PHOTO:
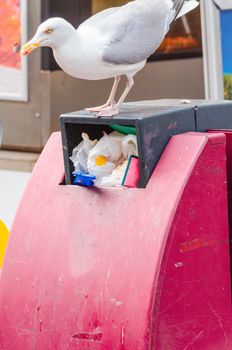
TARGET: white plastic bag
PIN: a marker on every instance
(129, 146)
(80, 154)
(106, 155)
(115, 179)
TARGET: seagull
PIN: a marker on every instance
(113, 43)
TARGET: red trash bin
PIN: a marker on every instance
(122, 269)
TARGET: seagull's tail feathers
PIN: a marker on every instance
(188, 6)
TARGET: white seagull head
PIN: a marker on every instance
(52, 33)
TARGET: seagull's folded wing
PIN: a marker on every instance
(178, 4)
(133, 32)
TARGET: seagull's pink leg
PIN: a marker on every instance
(111, 102)
(115, 109)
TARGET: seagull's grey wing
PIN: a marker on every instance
(177, 4)
(135, 31)
(100, 16)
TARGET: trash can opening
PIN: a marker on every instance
(120, 151)
(107, 157)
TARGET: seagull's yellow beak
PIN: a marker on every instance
(28, 48)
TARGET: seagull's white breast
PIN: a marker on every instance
(81, 57)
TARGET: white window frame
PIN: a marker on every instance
(212, 49)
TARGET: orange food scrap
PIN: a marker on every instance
(101, 160)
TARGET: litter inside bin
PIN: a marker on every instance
(104, 162)
(83, 179)
(81, 153)
(132, 173)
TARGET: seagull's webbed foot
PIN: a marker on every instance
(109, 112)
(107, 105)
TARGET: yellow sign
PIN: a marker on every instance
(4, 235)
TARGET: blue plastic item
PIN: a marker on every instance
(84, 180)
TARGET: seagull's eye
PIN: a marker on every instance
(49, 31)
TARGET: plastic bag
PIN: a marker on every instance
(115, 179)
(109, 158)
(80, 154)
(129, 146)
(106, 155)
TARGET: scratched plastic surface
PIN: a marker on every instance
(128, 269)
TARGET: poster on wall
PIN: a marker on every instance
(13, 67)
